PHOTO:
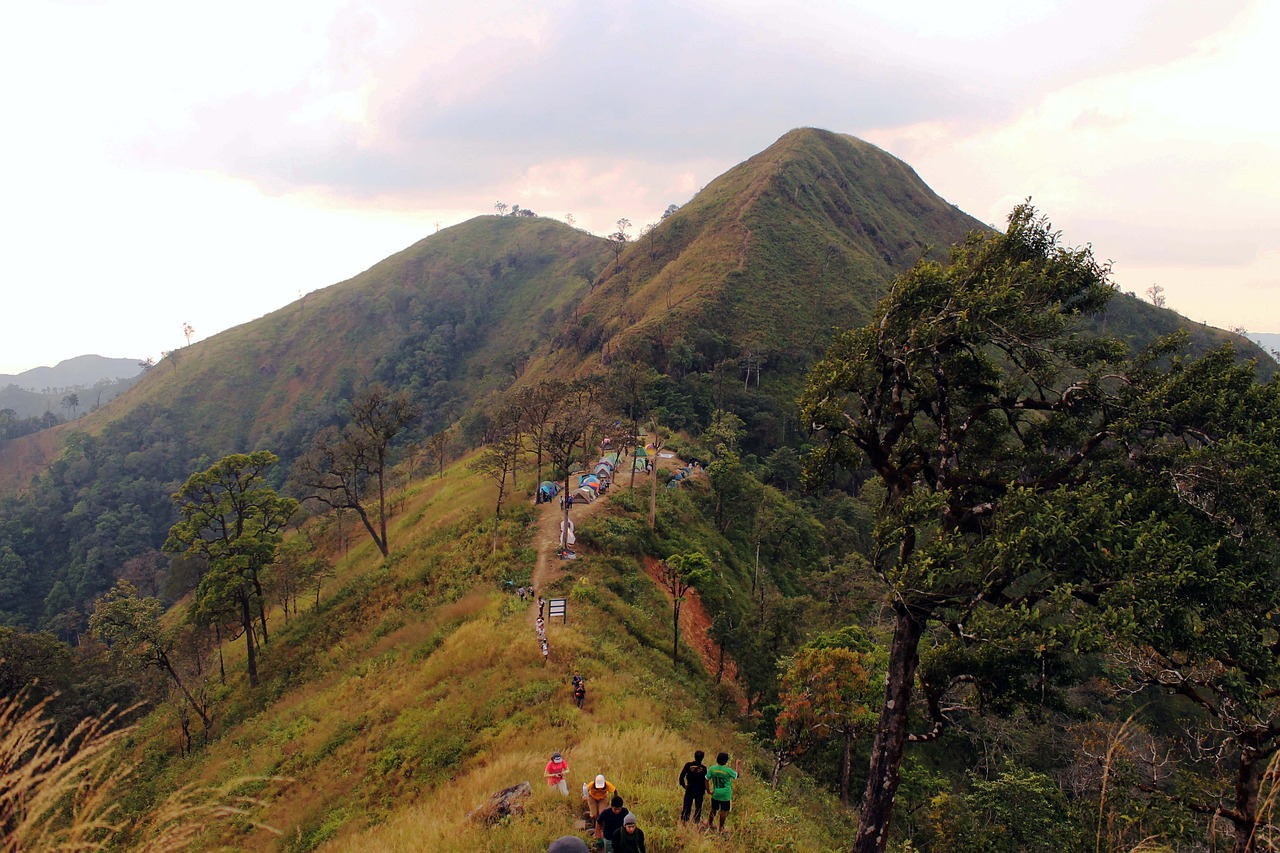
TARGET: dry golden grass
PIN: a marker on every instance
(643, 761)
(61, 793)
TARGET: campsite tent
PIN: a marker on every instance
(603, 469)
(548, 490)
(638, 464)
(587, 493)
(570, 539)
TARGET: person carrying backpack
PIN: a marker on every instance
(628, 839)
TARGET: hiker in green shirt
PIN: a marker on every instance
(720, 780)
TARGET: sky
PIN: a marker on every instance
(172, 164)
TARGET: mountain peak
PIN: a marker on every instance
(809, 231)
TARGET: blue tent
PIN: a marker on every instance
(548, 490)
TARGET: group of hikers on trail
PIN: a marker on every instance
(616, 829)
(540, 626)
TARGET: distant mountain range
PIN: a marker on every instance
(94, 380)
(73, 373)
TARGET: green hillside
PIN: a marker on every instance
(750, 278)
(450, 317)
(415, 689)
(446, 317)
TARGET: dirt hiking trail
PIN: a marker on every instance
(694, 618)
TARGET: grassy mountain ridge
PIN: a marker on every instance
(448, 317)
(775, 253)
(452, 308)
(415, 689)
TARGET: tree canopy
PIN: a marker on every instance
(232, 518)
(1022, 460)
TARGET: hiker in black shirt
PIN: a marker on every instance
(610, 821)
(693, 778)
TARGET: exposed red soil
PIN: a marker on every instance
(695, 627)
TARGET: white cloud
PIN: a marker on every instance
(1171, 170)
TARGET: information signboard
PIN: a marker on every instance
(558, 607)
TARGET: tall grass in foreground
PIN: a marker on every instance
(60, 793)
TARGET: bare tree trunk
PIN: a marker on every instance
(635, 445)
(675, 644)
(884, 773)
(845, 760)
(1248, 785)
(222, 667)
(184, 723)
(204, 718)
(379, 540)
(564, 522)
(382, 513)
(262, 607)
(653, 495)
(246, 620)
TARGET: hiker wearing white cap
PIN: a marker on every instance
(598, 794)
(557, 769)
(630, 838)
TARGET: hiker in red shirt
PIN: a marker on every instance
(557, 769)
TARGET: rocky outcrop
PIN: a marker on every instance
(508, 801)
